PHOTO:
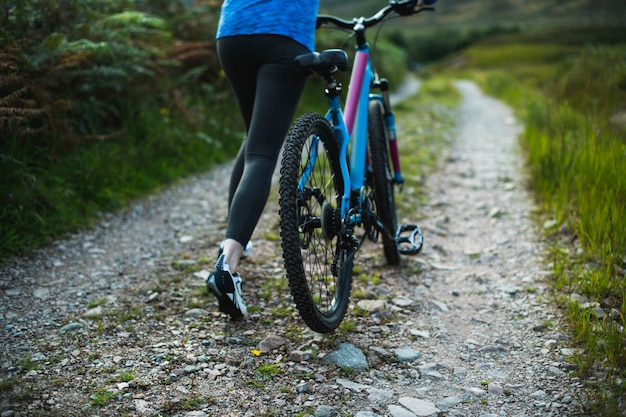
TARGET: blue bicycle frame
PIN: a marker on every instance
(353, 126)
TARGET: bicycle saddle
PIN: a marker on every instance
(325, 61)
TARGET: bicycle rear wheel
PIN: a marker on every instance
(382, 179)
(318, 266)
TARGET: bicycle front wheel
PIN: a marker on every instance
(318, 266)
(383, 180)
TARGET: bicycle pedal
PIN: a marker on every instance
(409, 239)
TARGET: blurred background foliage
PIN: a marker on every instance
(101, 102)
(73, 68)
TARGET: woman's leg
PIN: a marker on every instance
(268, 104)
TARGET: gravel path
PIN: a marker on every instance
(116, 321)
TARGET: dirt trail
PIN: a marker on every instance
(115, 321)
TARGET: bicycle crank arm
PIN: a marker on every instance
(409, 239)
(382, 229)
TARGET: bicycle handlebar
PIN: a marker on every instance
(403, 8)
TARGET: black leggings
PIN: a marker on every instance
(263, 74)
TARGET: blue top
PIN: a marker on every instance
(294, 19)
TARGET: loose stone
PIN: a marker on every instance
(407, 354)
(300, 356)
(71, 327)
(326, 411)
(421, 408)
(347, 356)
(397, 411)
(495, 388)
(367, 414)
(196, 312)
(270, 343)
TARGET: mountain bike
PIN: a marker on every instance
(338, 178)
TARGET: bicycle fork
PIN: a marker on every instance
(390, 122)
(409, 238)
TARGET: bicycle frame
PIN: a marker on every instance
(351, 127)
(344, 127)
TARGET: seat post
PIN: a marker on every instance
(333, 87)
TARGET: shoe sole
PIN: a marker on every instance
(225, 305)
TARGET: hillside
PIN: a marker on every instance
(547, 13)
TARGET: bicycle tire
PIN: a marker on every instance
(383, 182)
(318, 268)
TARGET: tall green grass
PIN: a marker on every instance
(572, 99)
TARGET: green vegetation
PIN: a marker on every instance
(570, 91)
(97, 302)
(263, 373)
(348, 326)
(127, 376)
(100, 103)
(102, 397)
(268, 370)
(6, 385)
(424, 46)
(29, 364)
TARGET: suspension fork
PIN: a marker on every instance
(390, 122)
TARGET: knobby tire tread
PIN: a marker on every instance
(290, 173)
(383, 180)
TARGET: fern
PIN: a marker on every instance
(89, 60)
(20, 112)
(134, 18)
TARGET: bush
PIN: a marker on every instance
(101, 102)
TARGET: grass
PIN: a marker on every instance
(102, 397)
(570, 93)
(97, 302)
(127, 376)
(28, 364)
(45, 195)
(267, 370)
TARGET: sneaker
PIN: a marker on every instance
(244, 255)
(227, 288)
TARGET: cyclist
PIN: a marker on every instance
(257, 42)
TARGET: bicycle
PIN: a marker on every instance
(331, 183)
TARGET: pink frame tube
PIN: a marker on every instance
(354, 90)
